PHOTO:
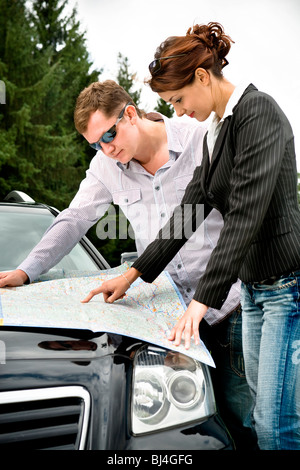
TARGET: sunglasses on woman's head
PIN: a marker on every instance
(109, 135)
(155, 65)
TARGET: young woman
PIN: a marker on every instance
(249, 174)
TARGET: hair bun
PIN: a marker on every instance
(212, 37)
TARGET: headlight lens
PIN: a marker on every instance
(151, 402)
(184, 390)
(169, 389)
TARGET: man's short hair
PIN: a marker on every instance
(108, 97)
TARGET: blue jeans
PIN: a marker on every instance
(233, 396)
(271, 344)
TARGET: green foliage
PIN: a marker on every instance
(44, 65)
(126, 79)
(164, 108)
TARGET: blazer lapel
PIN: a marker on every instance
(218, 145)
(205, 161)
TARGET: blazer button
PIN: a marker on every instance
(210, 195)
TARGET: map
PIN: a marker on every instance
(148, 312)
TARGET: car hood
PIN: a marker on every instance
(48, 343)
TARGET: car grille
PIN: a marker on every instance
(48, 418)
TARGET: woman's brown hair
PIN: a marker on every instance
(204, 46)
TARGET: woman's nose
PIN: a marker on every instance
(179, 111)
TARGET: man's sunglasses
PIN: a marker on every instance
(109, 135)
(155, 65)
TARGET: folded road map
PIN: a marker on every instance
(148, 312)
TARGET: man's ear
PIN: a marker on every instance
(202, 76)
(131, 113)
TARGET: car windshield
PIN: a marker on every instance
(21, 230)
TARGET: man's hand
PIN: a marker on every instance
(114, 289)
(13, 278)
(188, 325)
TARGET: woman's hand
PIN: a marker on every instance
(188, 325)
(115, 288)
(112, 290)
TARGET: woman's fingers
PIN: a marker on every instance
(112, 290)
(188, 325)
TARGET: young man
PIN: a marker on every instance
(143, 165)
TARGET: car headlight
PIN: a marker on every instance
(169, 389)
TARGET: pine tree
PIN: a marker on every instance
(16, 70)
(164, 108)
(44, 65)
(126, 79)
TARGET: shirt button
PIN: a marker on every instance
(157, 188)
(125, 200)
(179, 266)
(210, 195)
(188, 290)
(162, 214)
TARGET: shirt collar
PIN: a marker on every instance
(232, 102)
(234, 99)
(174, 144)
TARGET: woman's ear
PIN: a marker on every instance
(202, 76)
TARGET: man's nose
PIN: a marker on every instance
(107, 147)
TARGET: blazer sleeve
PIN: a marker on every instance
(186, 218)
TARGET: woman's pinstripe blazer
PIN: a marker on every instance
(252, 181)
